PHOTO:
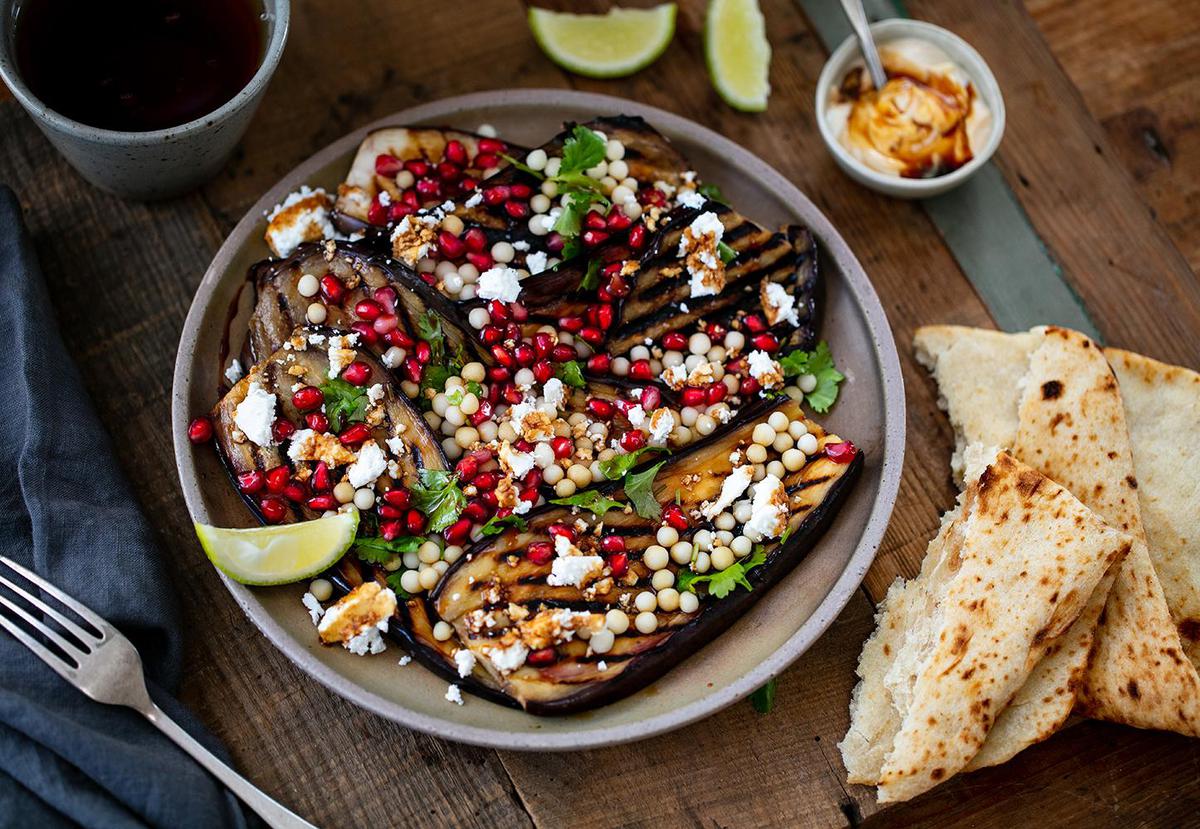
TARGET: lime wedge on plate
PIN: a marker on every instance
(738, 53)
(279, 555)
(610, 45)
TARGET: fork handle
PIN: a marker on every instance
(274, 813)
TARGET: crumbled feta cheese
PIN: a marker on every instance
(395, 446)
(308, 445)
(393, 357)
(518, 463)
(573, 571)
(369, 641)
(316, 339)
(636, 416)
(370, 464)
(765, 370)
(235, 371)
(302, 217)
(536, 262)
(683, 306)
(255, 415)
(662, 424)
(553, 392)
(454, 695)
(698, 245)
(474, 201)
(375, 393)
(508, 659)
(769, 510)
(675, 377)
(522, 507)
(520, 245)
(735, 483)
(531, 422)
(602, 666)
(464, 660)
(313, 606)
(692, 199)
(778, 304)
(500, 283)
(404, 660)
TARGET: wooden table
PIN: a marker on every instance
(1103, 152)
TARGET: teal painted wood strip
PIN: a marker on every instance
(982, 222)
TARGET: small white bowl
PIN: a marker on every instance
(962, 54)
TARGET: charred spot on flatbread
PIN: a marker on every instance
(1051, 390)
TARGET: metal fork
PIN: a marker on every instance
(105, 665)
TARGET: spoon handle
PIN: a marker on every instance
(857, 16)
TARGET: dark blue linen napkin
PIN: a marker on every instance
(67, 512)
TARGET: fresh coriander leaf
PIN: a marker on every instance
(722, 582)
(616, 466)
(582, 151)
(591, 279)
(819, 363)
(475, 389)
(429, 328)
(438, 496)
(571, 373)
(496, 525)
(393, 581)
(591, 500)
(711, 191)
(726, 253)
(377, 550)
(571, 248)
(344, 402)
(455, 396)
(763, 699)
(786, 534)
(639, 488)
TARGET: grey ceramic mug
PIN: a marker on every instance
(160, 163)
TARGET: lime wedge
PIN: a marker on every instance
(738, 53)
(610, 45)
(278, 555)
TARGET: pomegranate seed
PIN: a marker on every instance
(674, 341)
(599, 363)
(200, 430)
(563, 353)
(491, 334)
(316, 421)
(466, 468)
(517, 209)
(354, 434)
(467, 184)
(366, 332)
(498, 311)
(390, 530)
(674, 515)
(618, 221)
(555, 242)
(458, 532)
(640, 370)
(543, 344)
(651, 398)
(513, 395)
(357, 373)
(524, 354)
(498, 374)
(296, 492)
(424, 352)
(308, 398)
(592, 238)
(563, 530)
(652, 196)
(749, 386)
(398, 497)
(450, 245)
(692, 396)
(388, 511)
(482, 261)
(715, 331)
(414, 522)
(503, 357)
(571, 324)
(612, 544)
(277, 479)
(562, 446)
(273, 509)
(476, 511)
(490, 499)
(543, 370)
(521, 191)
(766, 342)
(448, 172)
(486, 161)
(542, 657)
(321, 479)
(417, 168)
(251, 482)
(322, 502)
(619, 564)
(387, 165)
(368, 309)
(499, 194)
(397, 337)
(715, 393)
(600, 408)
(456, 153)
(282, 429)
(486, 480)
(618, 287)
(637, 236)
(377, 214)
(429, 188)
(475, 240)
(594, 220)
(604, 316)
(633, 440)
(755, 323)
(386, 324)
(483, 413)
(841, 452)
(492, 145)
(413, 369)
(332, 288)
(592, 336)
(540, 552)
(398, 210)
(532, 480)
(409, 197)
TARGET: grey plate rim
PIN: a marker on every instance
(795, 646)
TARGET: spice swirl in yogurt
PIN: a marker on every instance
(925, 121)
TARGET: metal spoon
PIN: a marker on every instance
(857, 16)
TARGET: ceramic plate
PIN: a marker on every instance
(774, 633)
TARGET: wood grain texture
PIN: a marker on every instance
(122, 276)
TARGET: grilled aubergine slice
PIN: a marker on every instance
(501, 600)
(381, 156)
(659, 298)
(304, 361)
